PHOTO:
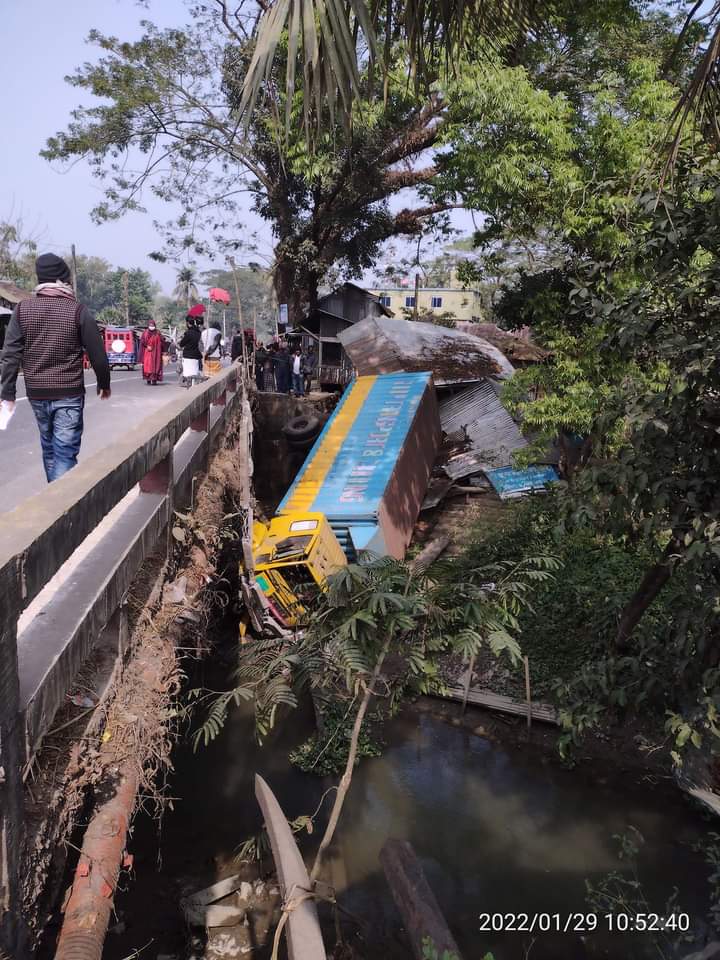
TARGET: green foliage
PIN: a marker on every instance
(385, 609)
(622, 893)
(431, 952)
(327, 753)
(255, 285)
(173, 97)
(102, 288)
(570, 623)
(710, 849)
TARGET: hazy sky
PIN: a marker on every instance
(44, 41)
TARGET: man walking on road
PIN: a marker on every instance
(46, 337)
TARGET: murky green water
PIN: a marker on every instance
(499, 830)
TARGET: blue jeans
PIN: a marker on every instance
(297, 384)
(61, 425)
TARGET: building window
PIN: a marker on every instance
(409, 301)
(385, 301)
(436, 302)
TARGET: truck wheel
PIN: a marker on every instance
(302, 428)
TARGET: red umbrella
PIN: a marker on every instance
(197, 311)
(218, 295)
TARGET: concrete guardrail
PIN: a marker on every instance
(39, 662)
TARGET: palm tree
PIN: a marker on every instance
(700, 101)
(335, 41)
(186, 286)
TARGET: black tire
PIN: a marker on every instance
(302, 428)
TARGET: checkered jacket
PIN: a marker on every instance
(47, 337)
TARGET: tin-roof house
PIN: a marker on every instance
(345, 306)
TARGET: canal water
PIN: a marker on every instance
(501, 831)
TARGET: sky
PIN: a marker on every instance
(43, 42)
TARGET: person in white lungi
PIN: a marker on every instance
(190, 346)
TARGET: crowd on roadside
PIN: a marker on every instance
(280, 368)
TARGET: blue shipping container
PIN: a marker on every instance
(369, 468)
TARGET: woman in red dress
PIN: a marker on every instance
(151, 344)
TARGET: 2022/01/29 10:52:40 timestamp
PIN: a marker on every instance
(583, 922)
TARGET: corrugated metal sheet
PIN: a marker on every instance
(493, 434)
(373, 458)
(511, 483)
(384, 345)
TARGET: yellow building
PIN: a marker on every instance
(462, 304)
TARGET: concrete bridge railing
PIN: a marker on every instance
(40, 658)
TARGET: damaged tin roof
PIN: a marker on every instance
(389, 345)
(491, 431)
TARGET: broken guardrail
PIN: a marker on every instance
(38, 664)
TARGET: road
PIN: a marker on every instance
(22, 474)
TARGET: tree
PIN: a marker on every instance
(554, 153)
(141, 289)
(186, 290)
(662, 484)
(165, 311)
(329, 209)
(95, 286)
(256, 299)
(374, 635)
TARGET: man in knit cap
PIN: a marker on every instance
(46, 336)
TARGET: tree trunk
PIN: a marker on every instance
(573, 456)
(346, 778)
(289, 287)
(650, 587)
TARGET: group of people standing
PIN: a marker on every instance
(280, 370)
(201, 349)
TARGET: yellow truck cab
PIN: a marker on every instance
(294, 556)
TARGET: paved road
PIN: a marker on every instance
(21, 470)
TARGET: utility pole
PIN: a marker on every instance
(239, 310)
(73, 267)
(126, 298)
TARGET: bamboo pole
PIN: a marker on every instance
(468, 681)
(526, 662)
(73, 267)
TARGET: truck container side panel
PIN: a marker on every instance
(408, 484)
(348, 471)
(356, 482)
(306, 485)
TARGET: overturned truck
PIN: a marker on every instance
(358, 492)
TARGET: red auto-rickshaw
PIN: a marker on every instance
(122, 346)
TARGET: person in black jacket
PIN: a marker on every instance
(261, 357)
(47, 336)
(282, 364)
(191, 355)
